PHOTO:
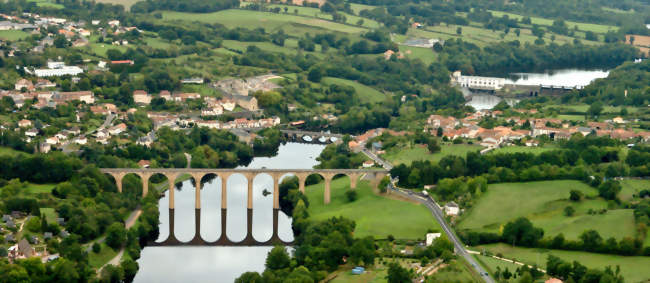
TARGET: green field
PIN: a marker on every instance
(582, 108)
(366, 93)
(97, 260)
(547, 22)
(13, 35)
(633, 268)
(39, 188)
(406, 156)
(508, 201)
(252, 19)
(425, 54)
(50, 214)
(126, 3)
(631, 187)
(10, 151)
(375, 215)
(47, 3)
(316, 13)
(526, 149)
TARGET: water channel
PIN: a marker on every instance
(222, 264)
(564, 77)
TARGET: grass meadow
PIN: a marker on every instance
(417, 153)
(633, 268)
(544, 203)
(375, 215)
(366, 93)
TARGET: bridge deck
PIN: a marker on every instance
(242, 170)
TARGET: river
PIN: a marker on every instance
(565, 77)
(222, 264)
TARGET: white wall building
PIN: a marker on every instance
(476, 82)
(65, 70)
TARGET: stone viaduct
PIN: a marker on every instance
(198, 174)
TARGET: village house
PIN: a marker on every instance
(63, 97)
(446, 123)
(227, 104)
(52, 140)
(144, 163)
(24, 123)
(24, 84)
(141, 97)
(33, 132)
(117, 129)
(451, 208)
(82, 140)
(43, 83)
(247, 102)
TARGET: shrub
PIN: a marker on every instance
(96, 248)
(351, 195)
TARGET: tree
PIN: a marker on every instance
(522, 232)
(569, 211)
(397, 273)
(278, 258)
(595, 109)
(60, 41)
(351, 195)
(249, 277)
(517, 32)
(130, 268)
(97, 247)
(115, 235)
(591, 240)
(315, 74)
(575, 195)
(432, 145)
(363, 251)
(609, 190)
(459, 30)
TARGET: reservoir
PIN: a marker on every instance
(565, 77)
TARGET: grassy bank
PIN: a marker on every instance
(375, 215)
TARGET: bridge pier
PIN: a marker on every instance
(197, 197)
(328, 181)
(171, 239)
(144, 176)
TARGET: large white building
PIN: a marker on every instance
(476, 82)
(65, 70)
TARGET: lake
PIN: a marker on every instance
(222, 264)
(566, 77)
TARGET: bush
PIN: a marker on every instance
(97, 248)
(351, 195)
(569, 211)
(575, 195)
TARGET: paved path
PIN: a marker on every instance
(133, 217)
(189, 159)
(459, 246)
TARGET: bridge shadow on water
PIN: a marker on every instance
(223, 240)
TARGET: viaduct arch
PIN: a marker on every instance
(197, 174)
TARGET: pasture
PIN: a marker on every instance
(374, 215)
(407, 155)
(366, 93)
(633, 268)
(291, 24)
(543, 203)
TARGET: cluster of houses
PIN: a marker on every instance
(27, 247)
(176, 122)
(468, 128)
(213, 106)
(45, 98)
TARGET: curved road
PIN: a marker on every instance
(460, 248)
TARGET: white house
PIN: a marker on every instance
(65, 70)
(451, 208)
(432, 237)
(81, 140)
(476, 82)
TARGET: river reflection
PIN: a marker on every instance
(222, 264)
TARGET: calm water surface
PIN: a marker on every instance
(222, 264)
(566, 77)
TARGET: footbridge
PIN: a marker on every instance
(197, 175)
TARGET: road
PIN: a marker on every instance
(460, 248)
(130, 221)
(378, 160)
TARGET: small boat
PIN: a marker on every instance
(307, 138)
(322, 139)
